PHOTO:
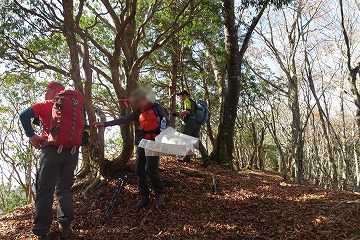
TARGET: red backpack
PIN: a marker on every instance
(67, 121)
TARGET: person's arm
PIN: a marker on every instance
(184, 113)
(127, 119)
(25, 119)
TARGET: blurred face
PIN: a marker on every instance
(183, 97)
(141, 103)
(49, 94)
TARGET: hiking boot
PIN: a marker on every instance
(159, 199)
(206, 163)
(185, 159)
(64, 229)
(44, 237)
(144, 201)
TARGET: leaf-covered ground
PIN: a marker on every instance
(249, 205)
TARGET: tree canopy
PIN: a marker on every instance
(281, 79)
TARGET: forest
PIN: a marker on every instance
(281, 79)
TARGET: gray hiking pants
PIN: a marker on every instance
(56, 174)
(192, 128)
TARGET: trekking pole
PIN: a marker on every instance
(110, 208)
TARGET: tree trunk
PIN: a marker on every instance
(297, 135)
(357, 169)
(353, 71)
(254, 156)
(224, 145)
(68, 6)
(322, 117)
(94, 151)
(216, 67)
(260, 151)
(282, 168)
(210, 132)
(175, 59)
(89, 154)
(132, 72)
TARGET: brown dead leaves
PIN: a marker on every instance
(249, 205)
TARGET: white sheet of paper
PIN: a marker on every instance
(171, 136)
(170, 142)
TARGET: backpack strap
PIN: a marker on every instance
(75, 102)
(194, 105)
(192, 114)
(161, 113)
(57, 127)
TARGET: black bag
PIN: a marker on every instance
(86, 135)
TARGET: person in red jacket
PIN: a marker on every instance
(56, 171)
(150, 116)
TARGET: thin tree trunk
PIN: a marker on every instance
(88, 153)
(323, 124)
(210, 132)
(254, 156)
(357, 170)
(260, 150)
(173, 76)
(297, 134)
(353, 71)
(224, 145)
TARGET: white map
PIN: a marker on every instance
(170, 142)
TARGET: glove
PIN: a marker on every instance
(175, 114)
(36, 141)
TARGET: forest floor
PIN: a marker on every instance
(248, 205)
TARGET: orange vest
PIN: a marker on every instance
(149, 123)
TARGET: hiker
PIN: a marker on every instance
(151, 117)
(191, 126)
(57, 162)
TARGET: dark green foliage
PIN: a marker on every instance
(259, 3)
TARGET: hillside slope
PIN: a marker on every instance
(249, 205)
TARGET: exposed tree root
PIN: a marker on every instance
(84, 171)
(90, 153)
(193, 173)
(95, 186)
(78, 186)
(114, 170)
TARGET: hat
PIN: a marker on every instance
(183, 92)
(56, 86)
